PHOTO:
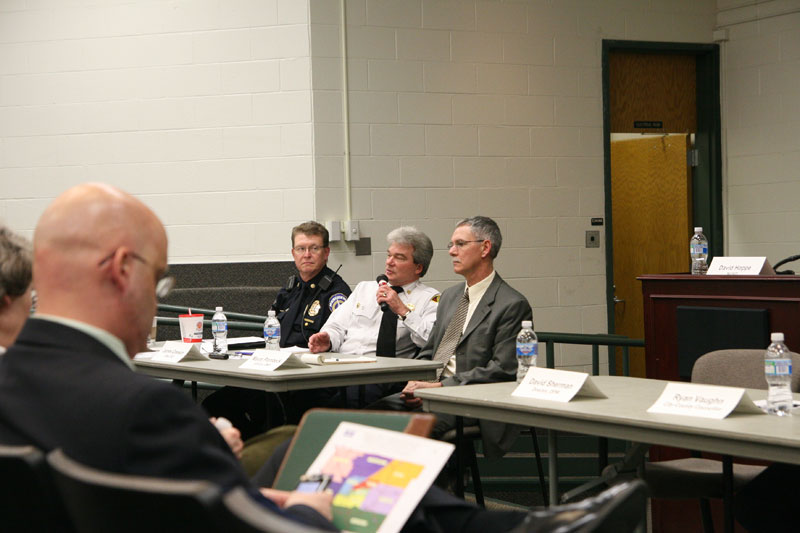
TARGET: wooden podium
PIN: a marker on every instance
(684, 312)
(666, 296)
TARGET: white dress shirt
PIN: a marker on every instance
(353, 326)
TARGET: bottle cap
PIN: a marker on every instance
(698, 229)
(527, 324)
(271, 312)
(219, 309)
(776, 337)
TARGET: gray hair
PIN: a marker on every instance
(411, 236)
(485, 229)
(16, 264)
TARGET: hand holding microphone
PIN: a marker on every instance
(383, 290)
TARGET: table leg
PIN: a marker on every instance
(552, 464)
(727, 492)
(459, 488)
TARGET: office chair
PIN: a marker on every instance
(620, 508)
(466, 448)
(105, 501)
(28, 499)
(697, 477)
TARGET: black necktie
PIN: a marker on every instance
(387, 334)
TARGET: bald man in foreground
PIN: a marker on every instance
(100, 256)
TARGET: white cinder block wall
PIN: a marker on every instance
(201, 108)
(761, 115)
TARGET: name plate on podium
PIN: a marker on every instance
(703, 401)
(556, 385)
(740, 266)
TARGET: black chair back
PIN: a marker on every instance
(104, 501)
(28, 499)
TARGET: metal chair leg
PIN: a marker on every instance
(705, 515)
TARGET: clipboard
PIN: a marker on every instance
(317, 425)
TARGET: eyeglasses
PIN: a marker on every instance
(303, 249)
(165, 282)
(461, 244)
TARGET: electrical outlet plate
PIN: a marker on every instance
(334, 228)
(351, 232)
(592, 239)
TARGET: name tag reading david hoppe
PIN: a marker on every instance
(556, 385)
(739, 266)
(704, 401)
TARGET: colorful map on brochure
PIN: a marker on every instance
(376, 481)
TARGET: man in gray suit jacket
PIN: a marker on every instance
(475, 332)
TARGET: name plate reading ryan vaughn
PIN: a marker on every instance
(704, 401)
(556, 385)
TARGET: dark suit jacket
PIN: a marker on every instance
(486, 352)
(61, 388)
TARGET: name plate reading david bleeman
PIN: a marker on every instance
(556, 385)
(739, 266)
(704, 401)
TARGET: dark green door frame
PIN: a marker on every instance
(707, 175)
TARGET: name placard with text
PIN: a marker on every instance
(269, 360)
(175, 352)
(556, 385)
(739, 266)
(704, 401)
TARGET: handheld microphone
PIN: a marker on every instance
(383, 282)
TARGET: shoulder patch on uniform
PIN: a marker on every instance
(436, 298)
(336, 300)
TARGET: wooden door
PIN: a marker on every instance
(650, 198)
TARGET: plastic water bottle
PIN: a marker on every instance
(698, 250)
(778, 371)
(272, 331)
(527, 349)
(219, 328)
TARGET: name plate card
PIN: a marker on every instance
(269, 360)
(177, 351)
(739, 266)
(704, 401)
(556, 385)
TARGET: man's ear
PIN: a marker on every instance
(119, 269)
(486, 248)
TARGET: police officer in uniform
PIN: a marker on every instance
(302, 308)
(308, 299)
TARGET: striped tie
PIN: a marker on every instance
(452, 334)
